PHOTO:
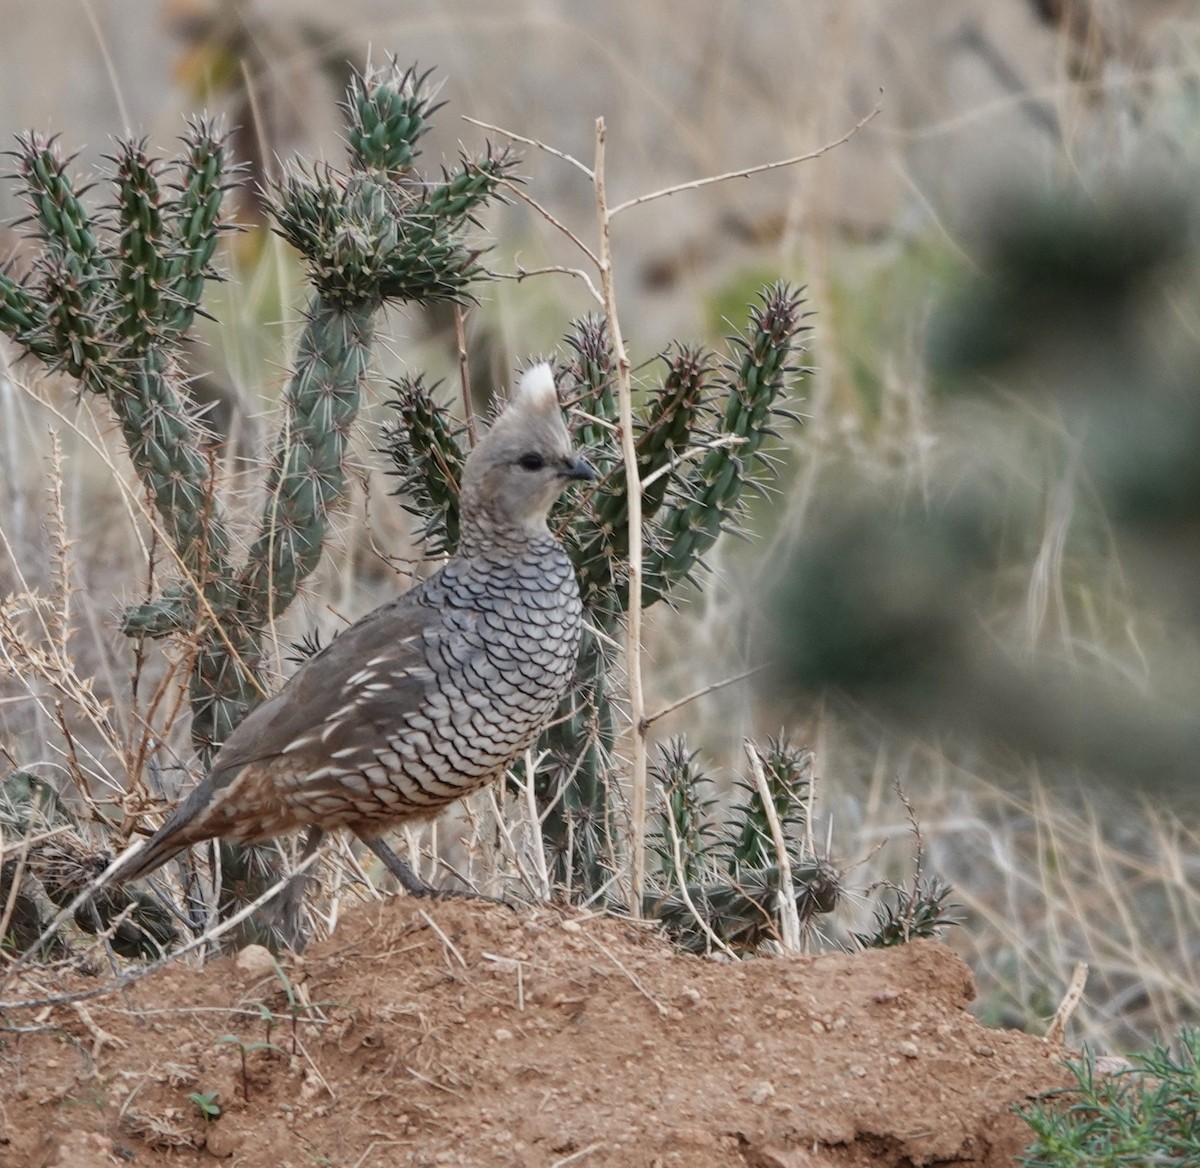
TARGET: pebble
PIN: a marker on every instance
(761, 1092)
(255, 959)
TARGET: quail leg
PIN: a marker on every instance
(409, 880)
(291, 899)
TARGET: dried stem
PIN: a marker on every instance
(1056, 1035)
(552, 269)
(633, 492)
(789, 918)
(671, 707)
(745, 172)
(464, 371)
(531, 142)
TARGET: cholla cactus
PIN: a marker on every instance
(114, 290)
(924, 910)
(787, 770)
(686, 831)
(730, 872)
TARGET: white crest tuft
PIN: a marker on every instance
(536, 386)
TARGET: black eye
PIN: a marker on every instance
(531, 461)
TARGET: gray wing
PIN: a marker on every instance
(367, 678)
(292, 722)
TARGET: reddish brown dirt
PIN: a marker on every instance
(464, 1034)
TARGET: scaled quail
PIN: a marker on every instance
(429, 697)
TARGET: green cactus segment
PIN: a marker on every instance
(388, 112)
(161, 437)
(685, 819)
(669, 425)
(589, 380)
(743, 913)
(139, 274)
(925, 910)
(194, 224)
(429, 453)
(75, 331)
(375, 235)
(577, 793)
(307, 479)
(23, 317)
(173, 612)
(590, 376)
(712, 493)
(672, 422)
(366, 238)
(223, 685)
(64, 225)
(739, 906)
(751, 845)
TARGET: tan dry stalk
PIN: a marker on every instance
(789, 918)
(633, 494)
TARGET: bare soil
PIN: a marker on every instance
(456, 1033)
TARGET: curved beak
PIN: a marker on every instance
(579, 468)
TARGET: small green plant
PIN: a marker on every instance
(244, 1048)
(1146, 1115)
(298, 1010)
(206, 1103)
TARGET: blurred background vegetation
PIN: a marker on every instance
(982, 554)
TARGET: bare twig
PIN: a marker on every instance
(745, 172)
(1057, 1033)
(534, 827)
(692, 452)
(637, 985)
(464, 370)
(531, 142)
(681, 881)
(789, 917)
(450, 945)
(575, 1157)
(552, 220)
(633, 494)
(551, 269)
(671, 707)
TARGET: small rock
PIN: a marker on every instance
(909, 1050)
(984, 1051)
(255, 959)
(761, 1092)
(220, 1141)
(503, 1035)
(572, 927)
(691, 996)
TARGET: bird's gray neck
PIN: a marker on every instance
(483, 534)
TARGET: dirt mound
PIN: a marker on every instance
(465, 1034)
